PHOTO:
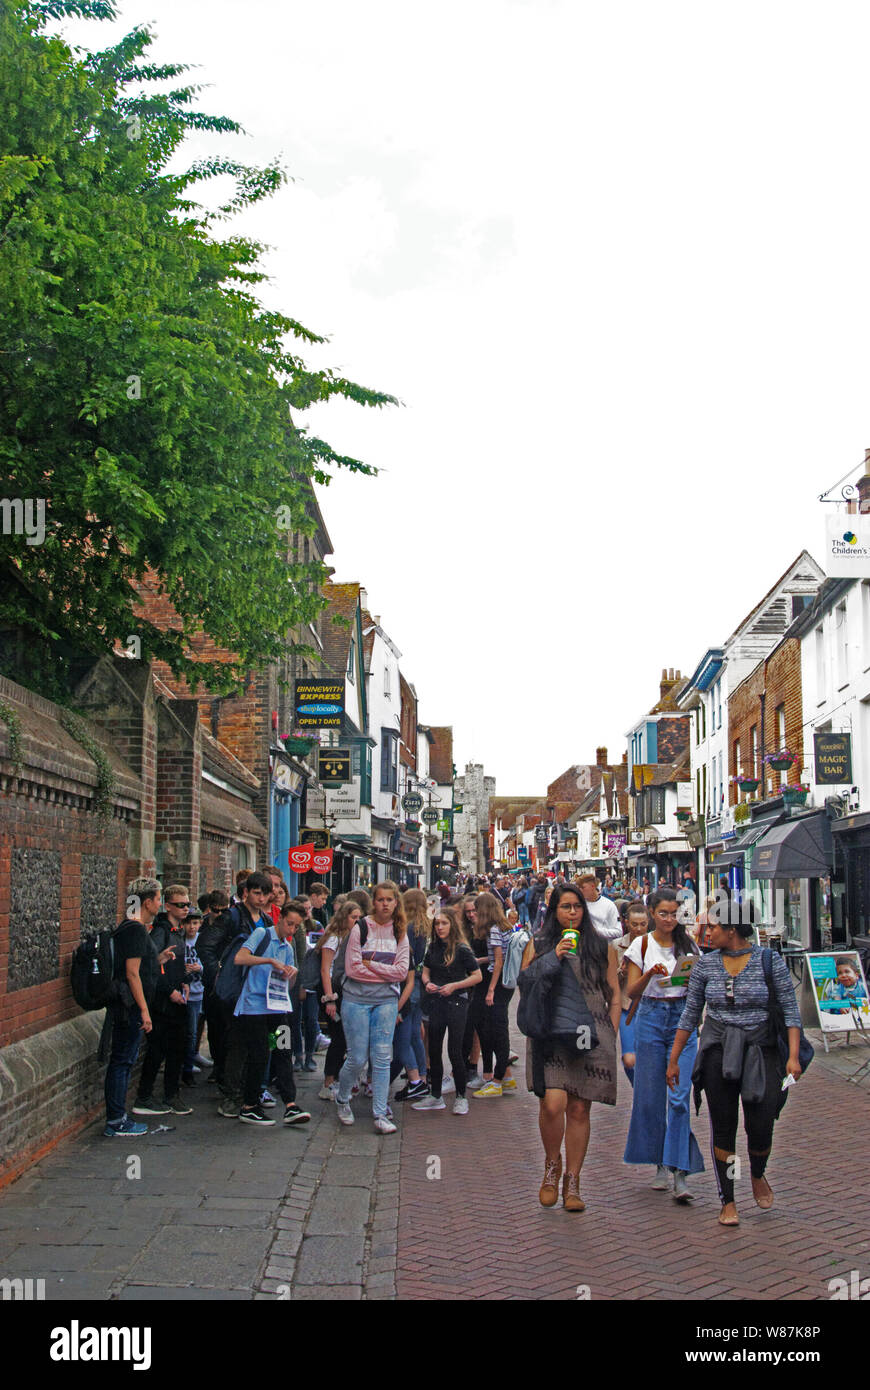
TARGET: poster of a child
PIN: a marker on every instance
(841, 991)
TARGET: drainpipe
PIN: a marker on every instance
(762, 697)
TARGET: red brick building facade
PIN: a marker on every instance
(765, 714)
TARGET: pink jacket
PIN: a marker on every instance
(375, 972)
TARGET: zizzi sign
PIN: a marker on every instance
(833, 756)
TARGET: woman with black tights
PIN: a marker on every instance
(738, 1038)
(449, 972)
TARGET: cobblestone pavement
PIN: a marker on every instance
(479, 1232)
(219, 1211)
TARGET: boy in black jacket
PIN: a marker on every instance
(167, 1040)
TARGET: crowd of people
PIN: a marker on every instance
(607, 973)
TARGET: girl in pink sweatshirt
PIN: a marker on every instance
(375, 967)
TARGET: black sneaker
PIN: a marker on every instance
(177, 1106)
(188, 1080)
(415, 1090)
(295, 1115)
(254, 1117)
(147, 1105)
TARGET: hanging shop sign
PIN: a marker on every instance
(305, 858)
(344, 802)
(833, 756)
(430, 816)
(333, 766)
(317, 839)
(457, 810)
(839, 991)
(412, 801)
(847, 546)
(319, 704)
(614, 843)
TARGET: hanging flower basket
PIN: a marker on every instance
(683, 816)
(747, 784)
(795, 796)
(781, 760)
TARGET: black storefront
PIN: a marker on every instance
(851, 835)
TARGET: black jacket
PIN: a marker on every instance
(173, 972)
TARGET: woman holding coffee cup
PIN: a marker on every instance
(575, 1077)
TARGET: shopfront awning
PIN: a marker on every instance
(799, 848)
(727, 861)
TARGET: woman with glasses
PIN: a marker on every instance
(738, 1025)
(568, 1079)
(660, 1131)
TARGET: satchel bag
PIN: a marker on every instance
(806, 1051)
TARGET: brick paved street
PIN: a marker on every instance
(317, 1212)
(631, 1242)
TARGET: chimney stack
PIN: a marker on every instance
(670, 678)
(601, 757)
(864, 485)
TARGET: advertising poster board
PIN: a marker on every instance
(839, 991)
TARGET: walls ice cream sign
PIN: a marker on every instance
(847, 546)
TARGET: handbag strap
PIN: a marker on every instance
(634, 1003)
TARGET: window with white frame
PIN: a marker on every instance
(821, 666)
(865, 624)
(841, 633)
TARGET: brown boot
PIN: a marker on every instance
(549, 1193)
(571, 1199)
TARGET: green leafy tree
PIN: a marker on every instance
(145, 392)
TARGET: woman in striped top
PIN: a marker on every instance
(738, 1057)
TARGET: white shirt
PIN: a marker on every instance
(656, 955)
(605, 919)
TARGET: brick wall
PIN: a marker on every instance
(779, 678)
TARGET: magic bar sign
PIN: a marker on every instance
(833, 754)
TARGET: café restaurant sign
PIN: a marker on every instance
(833, 754)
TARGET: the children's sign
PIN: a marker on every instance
(839, 991)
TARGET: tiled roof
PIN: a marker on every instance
(668, 702)
(441, 755)
(507, 808)
(217, 758)
(341, 602)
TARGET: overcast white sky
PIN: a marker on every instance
(613, 258)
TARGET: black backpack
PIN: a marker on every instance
(231, 977)
(309, 975)
(92, 972)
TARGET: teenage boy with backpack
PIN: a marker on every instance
(135, 973)
(167, 1041)
(232, 931)
(269, 963)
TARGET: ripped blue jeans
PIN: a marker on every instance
(368, 1029)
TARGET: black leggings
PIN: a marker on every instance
(337, 1050)
(447, 1016)
(474, 1021)
(494, 1033)
(758, 1118)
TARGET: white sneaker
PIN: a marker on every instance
(448, 1084)
(322, 1044)
(384, 1126)
(460, 1106)
(345, 1114)
(327, 1092)
(475, 1083)
(430, 1103)
(661, 1182)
